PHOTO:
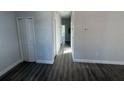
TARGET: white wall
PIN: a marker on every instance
(43, 26)
(57, 31)
(9, 51)
(99, 36)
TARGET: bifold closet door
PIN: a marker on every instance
(27, 36)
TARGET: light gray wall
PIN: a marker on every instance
(9, 51)
(67, 23)
(43, 26)
(99, 35)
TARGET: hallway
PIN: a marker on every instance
(64, 69)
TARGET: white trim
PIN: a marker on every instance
(99, 61)
(72, 34)
(53, 36)
(19, 37)
(45, 61)
(10, 67)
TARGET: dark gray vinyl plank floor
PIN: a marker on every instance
(64, 69)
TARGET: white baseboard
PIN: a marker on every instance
(10, 67)
(45, 61)
(99, 61)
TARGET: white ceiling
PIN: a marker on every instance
(65, 14)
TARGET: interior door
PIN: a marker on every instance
(27, 36)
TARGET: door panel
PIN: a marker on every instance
(27, 39)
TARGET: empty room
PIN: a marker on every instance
(61, 45)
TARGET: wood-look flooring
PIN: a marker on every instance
(64, 69)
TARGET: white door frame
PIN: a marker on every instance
(72, 34)
(19, 37)
(54, 37)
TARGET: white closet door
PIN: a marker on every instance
(27, 39)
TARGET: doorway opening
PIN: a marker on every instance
(66, 35)
(62, 35)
